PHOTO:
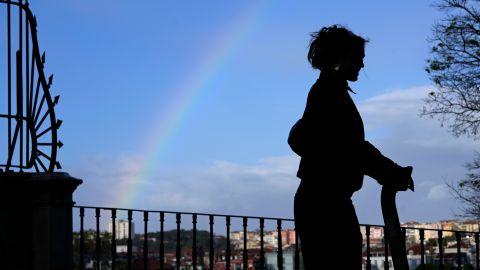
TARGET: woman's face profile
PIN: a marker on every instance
(352, 64)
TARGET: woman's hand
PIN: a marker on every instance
(401, 179)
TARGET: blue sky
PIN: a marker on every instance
(186, 105)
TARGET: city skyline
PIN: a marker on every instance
(373, 244)
(236, 227)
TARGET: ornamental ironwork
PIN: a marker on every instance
(27, 116)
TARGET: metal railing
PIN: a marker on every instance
(184, 240)
(144, 252)
(437, 244)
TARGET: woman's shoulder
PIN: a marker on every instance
(324, 89)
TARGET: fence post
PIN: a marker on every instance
(36, 220)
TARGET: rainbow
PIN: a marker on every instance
(192, 85)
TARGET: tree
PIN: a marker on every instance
(454, 68)
(468, 190)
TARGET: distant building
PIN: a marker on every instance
(270, 238)
(470, 226)
(448, 226)
(379, 261)
(413, 235)
(124, 249)
(376, 235)
(121, 229)
(289, 237)
(271, 260)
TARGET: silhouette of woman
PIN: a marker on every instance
(335, 156)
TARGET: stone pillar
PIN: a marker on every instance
(36, 221)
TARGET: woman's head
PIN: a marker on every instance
(337, 50)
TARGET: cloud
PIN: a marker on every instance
(267, 187)
(438, 192)
(398, 111)
(104, 177)
(264, 188)
(393, 125)
(232, 188)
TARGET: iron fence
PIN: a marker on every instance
(105, 238)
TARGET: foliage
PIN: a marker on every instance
(468, 190)
(186, 240)
(90, 246)
(153, 240)
(432, 242)
(468, 267)
(430, 266)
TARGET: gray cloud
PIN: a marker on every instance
(393, 124)
(266, 187)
